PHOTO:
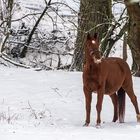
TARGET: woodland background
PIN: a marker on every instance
(50, 34)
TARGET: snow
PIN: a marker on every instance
(56, 99)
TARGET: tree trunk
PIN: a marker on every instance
(1, 14)
(24, 50)
(10, 7)
(8, 15)
(134, 33)
(125, 47)
(93, 17)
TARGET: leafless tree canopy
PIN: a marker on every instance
(39, 38)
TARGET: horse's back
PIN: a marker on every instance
(117, 73)
(115, 64)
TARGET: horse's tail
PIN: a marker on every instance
(121, 104)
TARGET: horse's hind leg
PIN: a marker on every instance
(133, 98)
(114, 99)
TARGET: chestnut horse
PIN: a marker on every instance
(106, 76)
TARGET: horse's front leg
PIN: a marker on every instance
(100, 95)
(88, 98)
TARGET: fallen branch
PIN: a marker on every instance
(5, 57)
(50, 52)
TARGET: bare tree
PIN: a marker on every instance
(125, 47)
(24, 51)
(133, 8)
(1, 15)
(41, 45)
(94, 16)
(6, 15)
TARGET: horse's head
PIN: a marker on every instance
(92, 48)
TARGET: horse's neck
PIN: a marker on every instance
(89, 60)
(92, 67)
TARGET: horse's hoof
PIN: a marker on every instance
(138, 118)
(115, 119)
(98, 125)
(86, 125)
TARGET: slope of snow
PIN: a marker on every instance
(50, 105)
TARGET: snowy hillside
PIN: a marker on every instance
(50, 105)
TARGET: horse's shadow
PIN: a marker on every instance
(113, 125)
(117, 125)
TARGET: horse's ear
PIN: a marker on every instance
(95, 36)
(88, 36)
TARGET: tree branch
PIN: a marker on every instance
(4, 57)
(24, 51)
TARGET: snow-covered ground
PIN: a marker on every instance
(49, 105)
